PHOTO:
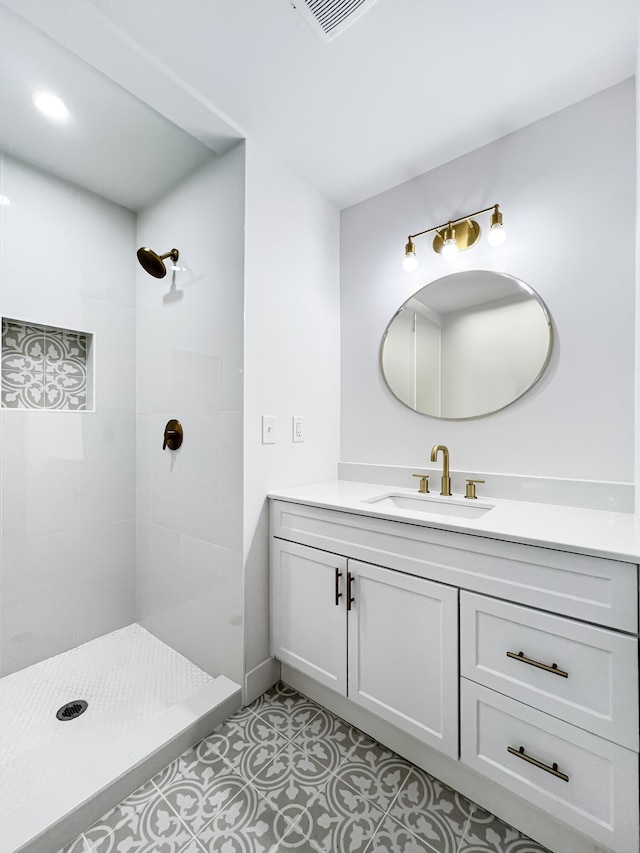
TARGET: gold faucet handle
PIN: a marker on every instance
(471, 488)
(423, 488)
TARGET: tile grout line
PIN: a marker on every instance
(466, 826)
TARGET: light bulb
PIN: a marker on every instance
(410, 262)
(497, 235)
(51, 105)
(449, 249)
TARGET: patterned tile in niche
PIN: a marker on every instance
(247, 746)
(392, 837)
(65, 370)
(487, 834)
(329, 739)
(375, 772)
(432, 811)
(201, 786)
(338, 819)
(22, 366)
(250, 824)
(43, 368)
(291, 780)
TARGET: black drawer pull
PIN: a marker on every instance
(338, 593)
(553, 668)
(520, 753)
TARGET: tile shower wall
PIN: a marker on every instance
(67, 477)
(190, 349)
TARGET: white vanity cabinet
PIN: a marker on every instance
(337, 620)
(539, 722)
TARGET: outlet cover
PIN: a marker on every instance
(297, 428)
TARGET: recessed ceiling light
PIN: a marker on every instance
(51, 105)
(4, 201)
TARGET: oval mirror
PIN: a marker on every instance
(466, 345)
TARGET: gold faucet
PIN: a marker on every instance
(446, 479)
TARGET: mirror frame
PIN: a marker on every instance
(522, 284)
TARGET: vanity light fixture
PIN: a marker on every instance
(456, 236)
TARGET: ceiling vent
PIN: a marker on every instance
(329, 18)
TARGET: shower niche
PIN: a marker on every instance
(46, 368)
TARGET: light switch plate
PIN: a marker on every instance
(268, 429)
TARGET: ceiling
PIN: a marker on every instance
(411, 84)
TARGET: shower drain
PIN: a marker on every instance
(72, 710)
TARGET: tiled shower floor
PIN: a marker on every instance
(285, 774)
(128, 678)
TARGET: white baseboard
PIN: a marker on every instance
(260, 679)
(57, 816)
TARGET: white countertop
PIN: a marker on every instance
(615, 535)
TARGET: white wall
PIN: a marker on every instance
(291, 364)
(190, 360)
(67, 478)
(637, 317)
(566, 187)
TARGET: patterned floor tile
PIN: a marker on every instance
(375, 772)
(248, 747)
(487, 834)
(148, 826)
(285, 774)
(392, 837)
(241, 715)
(250, 824)
(328, 738)
(193, 846)
(279, 694)
(79, 845)
(432, 811)
(286, 710)
(291, 780)
(338, 819)
(203, 785)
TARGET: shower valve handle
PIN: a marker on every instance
(172, 435)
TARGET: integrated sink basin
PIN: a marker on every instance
(431, 506)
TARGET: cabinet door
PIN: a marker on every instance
(308, 621)
(403, 652)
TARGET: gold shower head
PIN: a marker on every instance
(153, 263)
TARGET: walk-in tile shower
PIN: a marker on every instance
(121, 558)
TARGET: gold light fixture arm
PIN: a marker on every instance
(493, 207)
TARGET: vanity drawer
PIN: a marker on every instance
(600, 797)
(583, 674)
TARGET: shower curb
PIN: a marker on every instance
(61, 813)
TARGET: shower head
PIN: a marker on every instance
(154, 263)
